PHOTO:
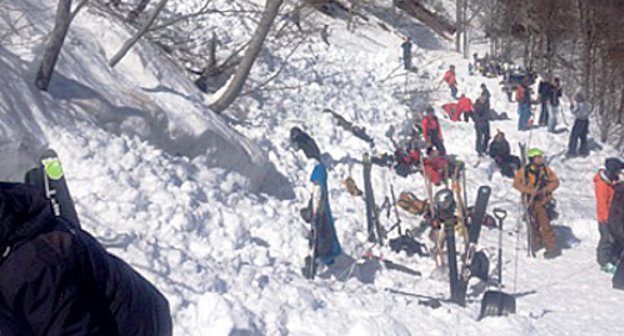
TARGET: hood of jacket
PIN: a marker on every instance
(24, 214)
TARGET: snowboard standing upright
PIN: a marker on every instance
(50, 178)
(470, 265)
(372, 217)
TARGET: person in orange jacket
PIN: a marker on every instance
(537, 182)
(465, 107)
(451, 80)
(605, 182)
(432, 133)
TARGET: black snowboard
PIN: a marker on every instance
(50, 178)
(471, 255)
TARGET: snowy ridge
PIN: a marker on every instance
(228, 258)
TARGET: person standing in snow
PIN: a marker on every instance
(464, 106)
(537, 182)
(605, 182)
(451, 80)
(523, 97)
(56, 279)
(407, 53)
(432, 133)
(553, 110)
(543, 92)
(484, 90)
(616, 233)
(580, 129)
(481, 118)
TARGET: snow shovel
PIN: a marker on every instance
(498, 303)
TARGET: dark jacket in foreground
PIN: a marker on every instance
(56, 279)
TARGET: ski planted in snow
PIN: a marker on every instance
(358, 132)
(391, 265)
(309, 267)
(525, 204)
(375, 233)
(50, 178)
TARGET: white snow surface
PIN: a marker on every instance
(208, 208)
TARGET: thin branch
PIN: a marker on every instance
(277, 73)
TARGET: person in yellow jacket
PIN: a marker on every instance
(537, 182)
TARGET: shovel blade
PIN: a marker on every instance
(497, 303)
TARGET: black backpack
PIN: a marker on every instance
(301, 140)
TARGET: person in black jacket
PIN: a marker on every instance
(56, 279)
(616, 232)
(482, 123)
(500, 152)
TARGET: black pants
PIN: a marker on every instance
(483, 137)
(508, 164)
(543, 119)
(579, 132)
(468, 115)
(604, 250)
(407, 61)
(437, 143)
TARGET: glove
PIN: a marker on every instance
(609, 268)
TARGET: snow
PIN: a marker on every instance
(208, 207)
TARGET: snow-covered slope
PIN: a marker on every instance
(171, 188)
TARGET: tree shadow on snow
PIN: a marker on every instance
(150, 123)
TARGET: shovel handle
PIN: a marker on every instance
(500, 214)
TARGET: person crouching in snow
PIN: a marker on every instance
(464, 106)
(501, 153)
(432, 133)
(605, 182)
(327, 246)
(537, 182)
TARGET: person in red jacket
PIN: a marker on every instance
(451, 80)
(432, 133)
(464, 106)
(605, 182)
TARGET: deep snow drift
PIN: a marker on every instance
(174, 190)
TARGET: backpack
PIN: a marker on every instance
(410, 203)
(520, 94)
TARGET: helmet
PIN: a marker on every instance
(535, 152)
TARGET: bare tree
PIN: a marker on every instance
(128, 45)
(55, 43)
(242, 72)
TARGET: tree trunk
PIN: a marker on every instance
(128, 45)
(458, 20)
(236, 84)
(465, 29)
(50, 56)
(133, 14)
